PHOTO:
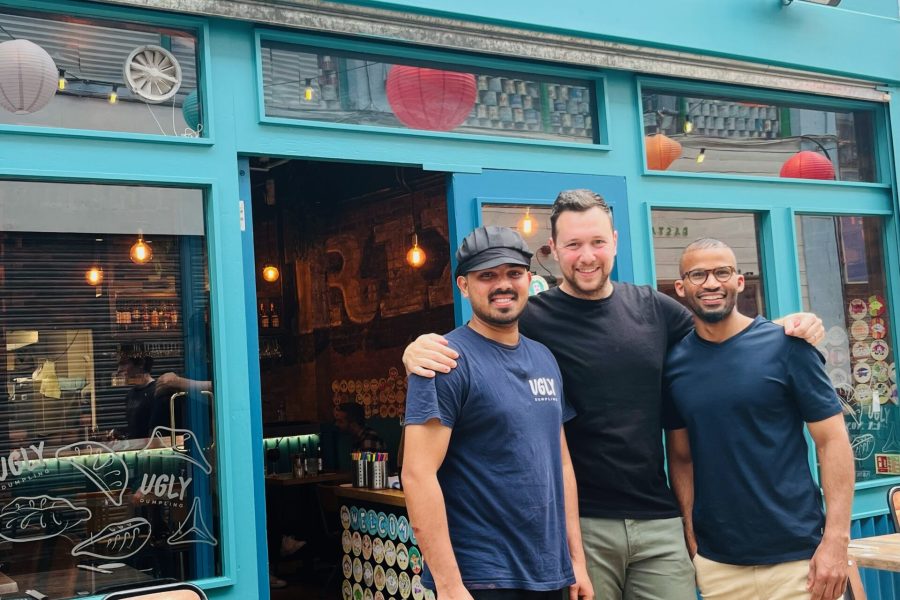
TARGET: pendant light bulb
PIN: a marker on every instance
(309, 92)
(61, 84)
(94, 275)
(270, 273)
(702, 156)
(113, 97)
(141, 252)
(688, 125)
(527, 225)
(416, 256)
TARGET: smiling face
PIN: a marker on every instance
(713, 300)
(585, 247)
(498, 295)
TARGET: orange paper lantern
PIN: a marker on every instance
(661, 151)
(807, 164)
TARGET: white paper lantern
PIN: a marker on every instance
(28, 77)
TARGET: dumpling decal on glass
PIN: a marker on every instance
(190, 451)
(104, 467)
(116, 540)
(33, 518)
(193, 529)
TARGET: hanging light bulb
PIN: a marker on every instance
(416, 256)
(113, 97)
(527, 225)
(141, 252)
(688, 125)
(94, 275)
(309, 92)
(61, 84)
(702, 156)
(270, 273)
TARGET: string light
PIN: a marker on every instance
(527, 225)
(416, 256)
(141, 252)
(309, 92)
(702, 156)
(61, 84)
(270, 273)
(688, 125)
(94, 275)
(113, 97)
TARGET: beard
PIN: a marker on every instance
(500, 316)
(715, 315)
(594, 290)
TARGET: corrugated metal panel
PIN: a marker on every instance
(880, 585)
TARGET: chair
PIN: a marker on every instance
(893, 501)
(855, 590)
(169, 591)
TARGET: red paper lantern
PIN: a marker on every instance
(807, 164)
(429, 98)
(661, 151)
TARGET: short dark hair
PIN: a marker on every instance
(576, 201)
(703, 244)
(355, 412)
(142, 363)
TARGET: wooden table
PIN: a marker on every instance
(878, 552)
(288, 480)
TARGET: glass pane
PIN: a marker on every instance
(716, 134)
(344, 87)
(675, 229)
(78, 80)
(107, 473)
(843, 281)
(533, 222)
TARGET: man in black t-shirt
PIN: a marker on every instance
(610, 340)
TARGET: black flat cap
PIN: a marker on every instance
(491, 246)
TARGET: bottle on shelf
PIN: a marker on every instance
(319, 459)
(275, 319)
(154, 318)
(263, 316)
(145, 316)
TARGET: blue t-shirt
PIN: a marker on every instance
(744, 402)
(502, 475)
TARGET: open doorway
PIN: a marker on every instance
(337, 301)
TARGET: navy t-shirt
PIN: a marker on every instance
(744, 402)
(501, 477)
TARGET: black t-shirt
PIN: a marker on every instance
(140, 406)
(611, 353)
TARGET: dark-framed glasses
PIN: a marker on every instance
(699, 276)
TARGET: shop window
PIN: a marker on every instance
(673, 230)
(844, 282)
(360, 89)
(533, 223)
(694, 133)
(107, 468)
(78, 73)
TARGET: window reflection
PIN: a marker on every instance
(533, 223)
(106, 395)
(715, 134)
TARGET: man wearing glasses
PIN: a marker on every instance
(737, 393)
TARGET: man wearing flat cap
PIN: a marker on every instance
(489, 485)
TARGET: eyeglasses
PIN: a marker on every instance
(699, 276)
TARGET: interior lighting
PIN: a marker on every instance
(94, 275)
(270, 273)
(416, 256)
(141, 252)
(527, 225)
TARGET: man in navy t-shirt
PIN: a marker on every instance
(489, 484)
(737, 394)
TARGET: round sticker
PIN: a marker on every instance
(838, 357)
(880, 349)
(357, 592)
(390, 553)
(367, 594)
(429, 595)
(378, 550)
(403, 529)
(357, 569)
(402, 556)
(354, 518)
(878, 328)
(367, 547)
(347, 567)
(859, 330)
(882, 392)
(357, 543)
(382, 524)
(876, 305)
(405, 584)
(345, 517)
(858, 308)
(892, 373)
(836, 336)
(863, 394)
(862, 372)
(412, 534)
(892, 393)
(838, 377)
(880, 371)
(390, 581)
(418, 590)
(363, 520)
(343, 385)
(861, 350)
(379, 577)
(373, 521)
(379, 595)
(351, 386)
(415, 560)
(346, 544)
(346, 591)
(392, 526)
(538, 284)
(368, 574)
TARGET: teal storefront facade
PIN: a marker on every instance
(824, 78)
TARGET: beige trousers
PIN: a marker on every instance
(782, 581)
